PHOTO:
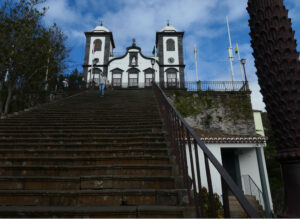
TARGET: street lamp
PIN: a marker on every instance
(152, 63)
(243, 61)
(95, 61)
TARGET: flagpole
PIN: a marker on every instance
(230, 51)
(238, 52)
(196, 64)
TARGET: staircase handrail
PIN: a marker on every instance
(260, 193)
(253, 183)
(180, 133)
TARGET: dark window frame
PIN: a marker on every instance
(97, 45)
(170, 45)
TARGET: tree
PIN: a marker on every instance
(31, 55)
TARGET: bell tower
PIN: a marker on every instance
(98, 50)
(170, 56)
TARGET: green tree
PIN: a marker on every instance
(31, 55)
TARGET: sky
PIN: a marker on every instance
(203, 21)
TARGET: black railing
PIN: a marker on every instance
(216, 86)
(251, 188)
(185, 146)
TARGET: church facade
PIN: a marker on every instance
(133, 69)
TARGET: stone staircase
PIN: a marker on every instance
(90, 156)
(237, 211)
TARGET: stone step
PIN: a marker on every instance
(82, 146)
(59, 153)
(83, 140)
(78, 122)
(140, 211)
(79, 131)
(94, 182)
(77, 127)
(64, 170)
(77, 135)
(90, 197)
(80, 161)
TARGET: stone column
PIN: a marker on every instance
(278, 71)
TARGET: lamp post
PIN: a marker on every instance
(153, 74)
(243, 61)
(95, 61)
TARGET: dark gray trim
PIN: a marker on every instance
(181, 76)
(117, 70)
(161, 58)
(180, 51)
(133, 70)
(160, 34)
(149, 71)
(106, 54)
(86, 57)
(172, 66)
(171, 70)
(106, 34)
(121, 57)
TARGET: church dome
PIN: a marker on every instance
(168, 28)
(101, 28)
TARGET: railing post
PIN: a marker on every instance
(210, 188)
(199, 179)
(226, 206)
(193, 176)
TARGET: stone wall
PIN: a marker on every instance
(225, 112)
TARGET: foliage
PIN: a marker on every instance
(273, 166)
(207, 207)
(193, 103)
(31, 55)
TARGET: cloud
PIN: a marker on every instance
(202, 20)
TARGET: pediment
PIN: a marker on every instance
(149, 70)
(117, 70)
(133, 70)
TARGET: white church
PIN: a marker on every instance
(133, 69)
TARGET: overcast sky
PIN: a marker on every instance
(203, 22)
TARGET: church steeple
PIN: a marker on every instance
(99, 46)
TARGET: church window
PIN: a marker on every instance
(116, 80)
(97, 45)
(133, 80)
(170, 45)
(171, 77)
(148, 79)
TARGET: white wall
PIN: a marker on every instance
(247, 160)
(168, 54)
(97, 54)
(124, 65)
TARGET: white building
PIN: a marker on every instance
(242, 157)
(133, 69)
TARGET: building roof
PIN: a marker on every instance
(101, 28)
(220, 137)
(168, 28)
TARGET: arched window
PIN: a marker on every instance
(171, 77)
(170, 45)
(97, 45)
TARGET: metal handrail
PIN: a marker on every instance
(252, 183)
(216, 86)
(181, 134)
